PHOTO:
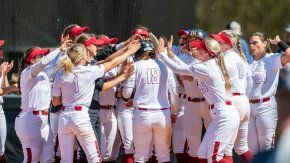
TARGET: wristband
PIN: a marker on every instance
(283, 46)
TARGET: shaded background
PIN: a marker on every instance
(40, 22)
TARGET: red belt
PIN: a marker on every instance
(76, 108)
(152, 109)
(40, 112)
(254, 101)
(44, 112)
(212, 106)
(107, 107)
(196, 99)
(236, 94)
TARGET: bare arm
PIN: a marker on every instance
(122, 76)
(132, 48)
(56, 100)
(38, 67)
(114, 55)
(6, 90)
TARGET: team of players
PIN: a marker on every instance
(151, 92)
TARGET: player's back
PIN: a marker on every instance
(77, 88)
(238, 70)
(151, 84)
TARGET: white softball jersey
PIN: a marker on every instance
(191, 88)
(108, 97)
(36, 89)
(152, 81)
(210, 79)
(265, 74)
(1, 97)
(77, 88)
(238, 70)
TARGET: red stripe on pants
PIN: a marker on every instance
(98, 150)
(29, 155)
(215, 151)
(56, 145)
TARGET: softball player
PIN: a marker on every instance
(151, 120)
(72, 31)
(265, 67)
(241, 79)
(5, 68)
(179, 143)
(31, 125)
(214, 83)
(125, 123)
(74, 89)
(196, 107)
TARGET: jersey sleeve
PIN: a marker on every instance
(199, 70)
(275, 61)
(175, 64)
(97, 70)
(172, 81)
(56, 90)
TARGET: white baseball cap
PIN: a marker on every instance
(288, 28)
(236, 28)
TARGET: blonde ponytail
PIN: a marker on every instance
(75, 54)
(221, 63)
(214, 47)
(66, 64)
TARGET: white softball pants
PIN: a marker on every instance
(77, 123)
(151, 125)
(196, 114)
(35, 136)
(108, 132)
(3, 131)
(225, 122)
(240, 144)
(125, 124)
(262, 126)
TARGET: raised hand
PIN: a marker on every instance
(133, 46)
(169, 44)
(6, 67)
(65, 43)
(128, 70)
(160, 47)
(275, 40)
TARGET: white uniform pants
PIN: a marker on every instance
(262, 126)
(151, 125)
(125, 124)
(178, 131)
(108, 132)
(3, 131)
(241, 142)
(35, 136)
(77, 123)
(225, 121)
(196, 114)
